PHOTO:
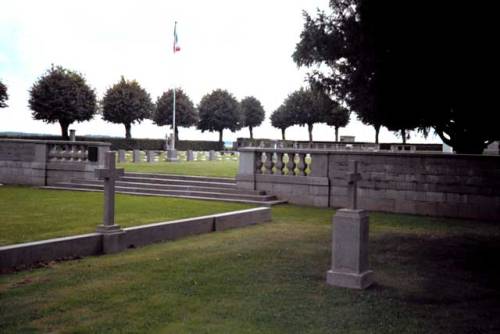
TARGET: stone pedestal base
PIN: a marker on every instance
(112, 236)
(350, 280)
(350, 250)
(172, 155)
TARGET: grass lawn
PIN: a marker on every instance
(223, 168)
(28, 214)
(432, 276)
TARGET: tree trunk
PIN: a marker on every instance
(220, 135)
(377, 131)
(64, 130)
(403, 134)
(251, 132)
(283, 133)
(127, 131)
(310, 130)
(336, 133)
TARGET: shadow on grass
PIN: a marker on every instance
(458, 275)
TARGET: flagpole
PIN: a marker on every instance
(172, 154)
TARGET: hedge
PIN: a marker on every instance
(131, 144)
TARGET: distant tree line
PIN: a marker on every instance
(63, 96)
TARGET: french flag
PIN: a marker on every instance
(177, 48)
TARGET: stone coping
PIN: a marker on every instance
(415, 154)
(62, 142)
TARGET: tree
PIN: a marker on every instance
(253, 113)
(305, 108)
(185, 112)
(338, 117)
(63, 96)
(126, 103)
(3, 95)
(281, 119)
(394, 70)
(219, 110)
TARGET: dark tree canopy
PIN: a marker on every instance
(408, 65)
(3, 95)
(219, 110)
(253, 113)
(63, 96)
(126, 103)
(185, 113)
(281, 119)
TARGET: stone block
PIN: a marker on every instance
(350, 250)
(225, 221)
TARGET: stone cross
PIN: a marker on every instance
(109, 174)
(354, 177)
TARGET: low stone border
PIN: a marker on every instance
(31, 253)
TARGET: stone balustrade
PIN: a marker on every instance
(437, 184)
(46, 162)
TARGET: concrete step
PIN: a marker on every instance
(180, 193)
(140, 193)
(168, 186)
(182, 177)
(175, 181)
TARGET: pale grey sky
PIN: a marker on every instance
(242, 46)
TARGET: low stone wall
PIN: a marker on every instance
(451, 185)
(45, 162)
(30, 253)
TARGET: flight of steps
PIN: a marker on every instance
(196, 187)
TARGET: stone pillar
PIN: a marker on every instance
(150, 156)
(211, 155)
(121, 155)
(189, 155)
(72, 135)
(136, 156)
(350, 250)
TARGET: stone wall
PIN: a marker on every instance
(464, 186)
(45, 162)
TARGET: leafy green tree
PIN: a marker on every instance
(393, 70)
(337, 116)
(305, 108)
(63, 96)
(126, 103)
(185, 112)
(253, 113)
(219, 110)
(3, 95)
(281, 119)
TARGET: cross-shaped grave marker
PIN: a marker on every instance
(354, 177)
(109, 174)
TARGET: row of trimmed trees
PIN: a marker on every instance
(306, 107)
(63, 96)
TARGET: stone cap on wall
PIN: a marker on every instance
(368, 153)
(61, 142)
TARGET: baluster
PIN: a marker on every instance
(258, 163)
(278, 165)
(268, 164)
(52, 152)
(290, 165)
(301, 165)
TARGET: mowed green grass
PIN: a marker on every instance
(222, 168)
(432, 276)
(28, 214)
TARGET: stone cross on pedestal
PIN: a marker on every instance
(354, 177)
(350, 241)
(109, 174)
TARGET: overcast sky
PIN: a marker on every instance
(242, 46)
